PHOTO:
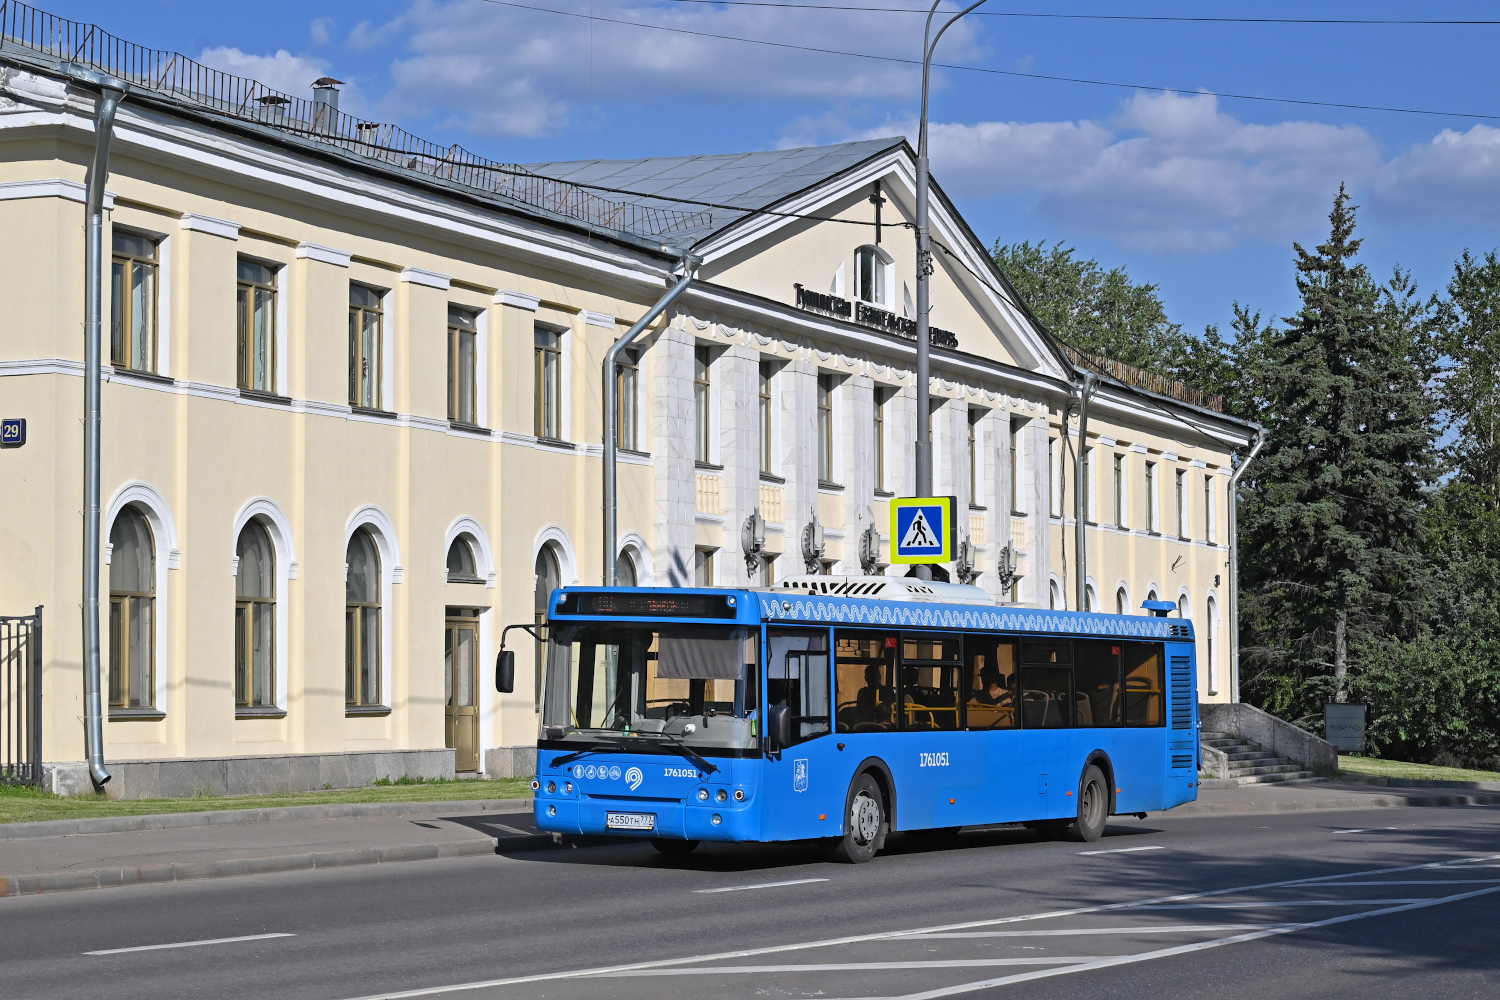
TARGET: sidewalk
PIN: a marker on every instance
(98, 853)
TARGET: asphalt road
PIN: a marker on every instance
(1371, 904)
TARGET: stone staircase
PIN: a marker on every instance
(1250, 763)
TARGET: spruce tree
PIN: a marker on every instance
(1331, 520)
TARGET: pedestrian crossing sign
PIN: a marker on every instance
(924, 529)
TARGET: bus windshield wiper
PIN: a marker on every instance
(569, 758)
(697, 758)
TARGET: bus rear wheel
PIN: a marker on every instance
(666, 845)
(1093, 808)
(864, 823)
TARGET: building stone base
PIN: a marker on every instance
(180, 777)
(510, 762)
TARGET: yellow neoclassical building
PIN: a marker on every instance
(352, 417)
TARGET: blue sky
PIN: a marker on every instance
(1202, 196)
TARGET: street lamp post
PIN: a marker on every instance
(924, 270)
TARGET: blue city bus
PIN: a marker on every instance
(842, 710)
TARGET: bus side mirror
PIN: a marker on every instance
(505, 671)
(780, 729)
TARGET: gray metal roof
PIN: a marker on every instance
(748, 182)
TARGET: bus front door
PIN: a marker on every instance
(803, 791)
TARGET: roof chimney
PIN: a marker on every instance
(326, 93)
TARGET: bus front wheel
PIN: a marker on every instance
(864, 823)
(1093, 808)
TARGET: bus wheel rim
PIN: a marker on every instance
(865, 818)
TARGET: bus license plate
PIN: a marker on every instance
(630, 821)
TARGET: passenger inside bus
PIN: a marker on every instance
(992, 683)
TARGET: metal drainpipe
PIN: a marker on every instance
(1080, 488)
(607, 374)
(1234, 566)
(93, 732)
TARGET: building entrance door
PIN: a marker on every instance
(461, 716)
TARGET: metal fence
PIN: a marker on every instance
(188, 81)
(21, 699)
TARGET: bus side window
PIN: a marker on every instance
(1046, 684)
(930, 666)
(1144, 683)
(1096, 675)
(865, 681)
(797, 676)
(990, 669)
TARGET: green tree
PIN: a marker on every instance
(1096, 310)
(1332, 521)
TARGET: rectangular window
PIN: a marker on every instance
(1208, 509)
(882, 396)
(767, 442)
(825, 428)
(1013, 446)
(133, 283)
(703, 567)
(1151, 507)
(1090, 510)
(254, 653)
(702, 360)
(361, 655)
(1180, 485)
(1119, 491)
(1046, 684)
(1054, 476)
(627, 417)
(255, 326)
(365, 332)
(797, 677)
(1145, 684)
(930, 668)
(990, 665)
(1096, 677)
(973, 446)
(865, 681)
(132, 646)
(547, 416)
(463, 366)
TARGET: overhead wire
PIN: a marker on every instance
(1106, 17)
(819, 50)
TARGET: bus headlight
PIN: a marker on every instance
(739, 795)
(535, 784)
(723, 796)
(703, 795)
(717, 819)
(552, 810)
(551, 788)
(568, 787)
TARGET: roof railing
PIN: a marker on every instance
(1151, 381)
(191, 82)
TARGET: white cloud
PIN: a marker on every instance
(1453, 176)
(320, 30)
(281, 71)
(500, 70)
(1169, 173)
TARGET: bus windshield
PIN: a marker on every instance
(696, 685)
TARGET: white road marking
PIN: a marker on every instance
(1126, 850)
(957, 963)
(540, 977)
(763, 885)
(1284, 902)
(188, 944)
(1106, 963)
(1093, 931)
(1368, 829)
(1430, 881)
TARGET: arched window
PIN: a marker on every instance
(255, 619)
(461, 565)
(362, 628)
(132, 612)
(548, 579)
(1210, 653)
(1090, 598)
(871, 282)
(1054, 596)
(625, 575)
(1122, 602)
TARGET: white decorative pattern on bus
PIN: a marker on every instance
(925, 616)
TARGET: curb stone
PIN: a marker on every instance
(1331, 805)
(234, 817)
(1373, 779)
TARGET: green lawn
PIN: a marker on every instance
(22, 805)
(1421, 772)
